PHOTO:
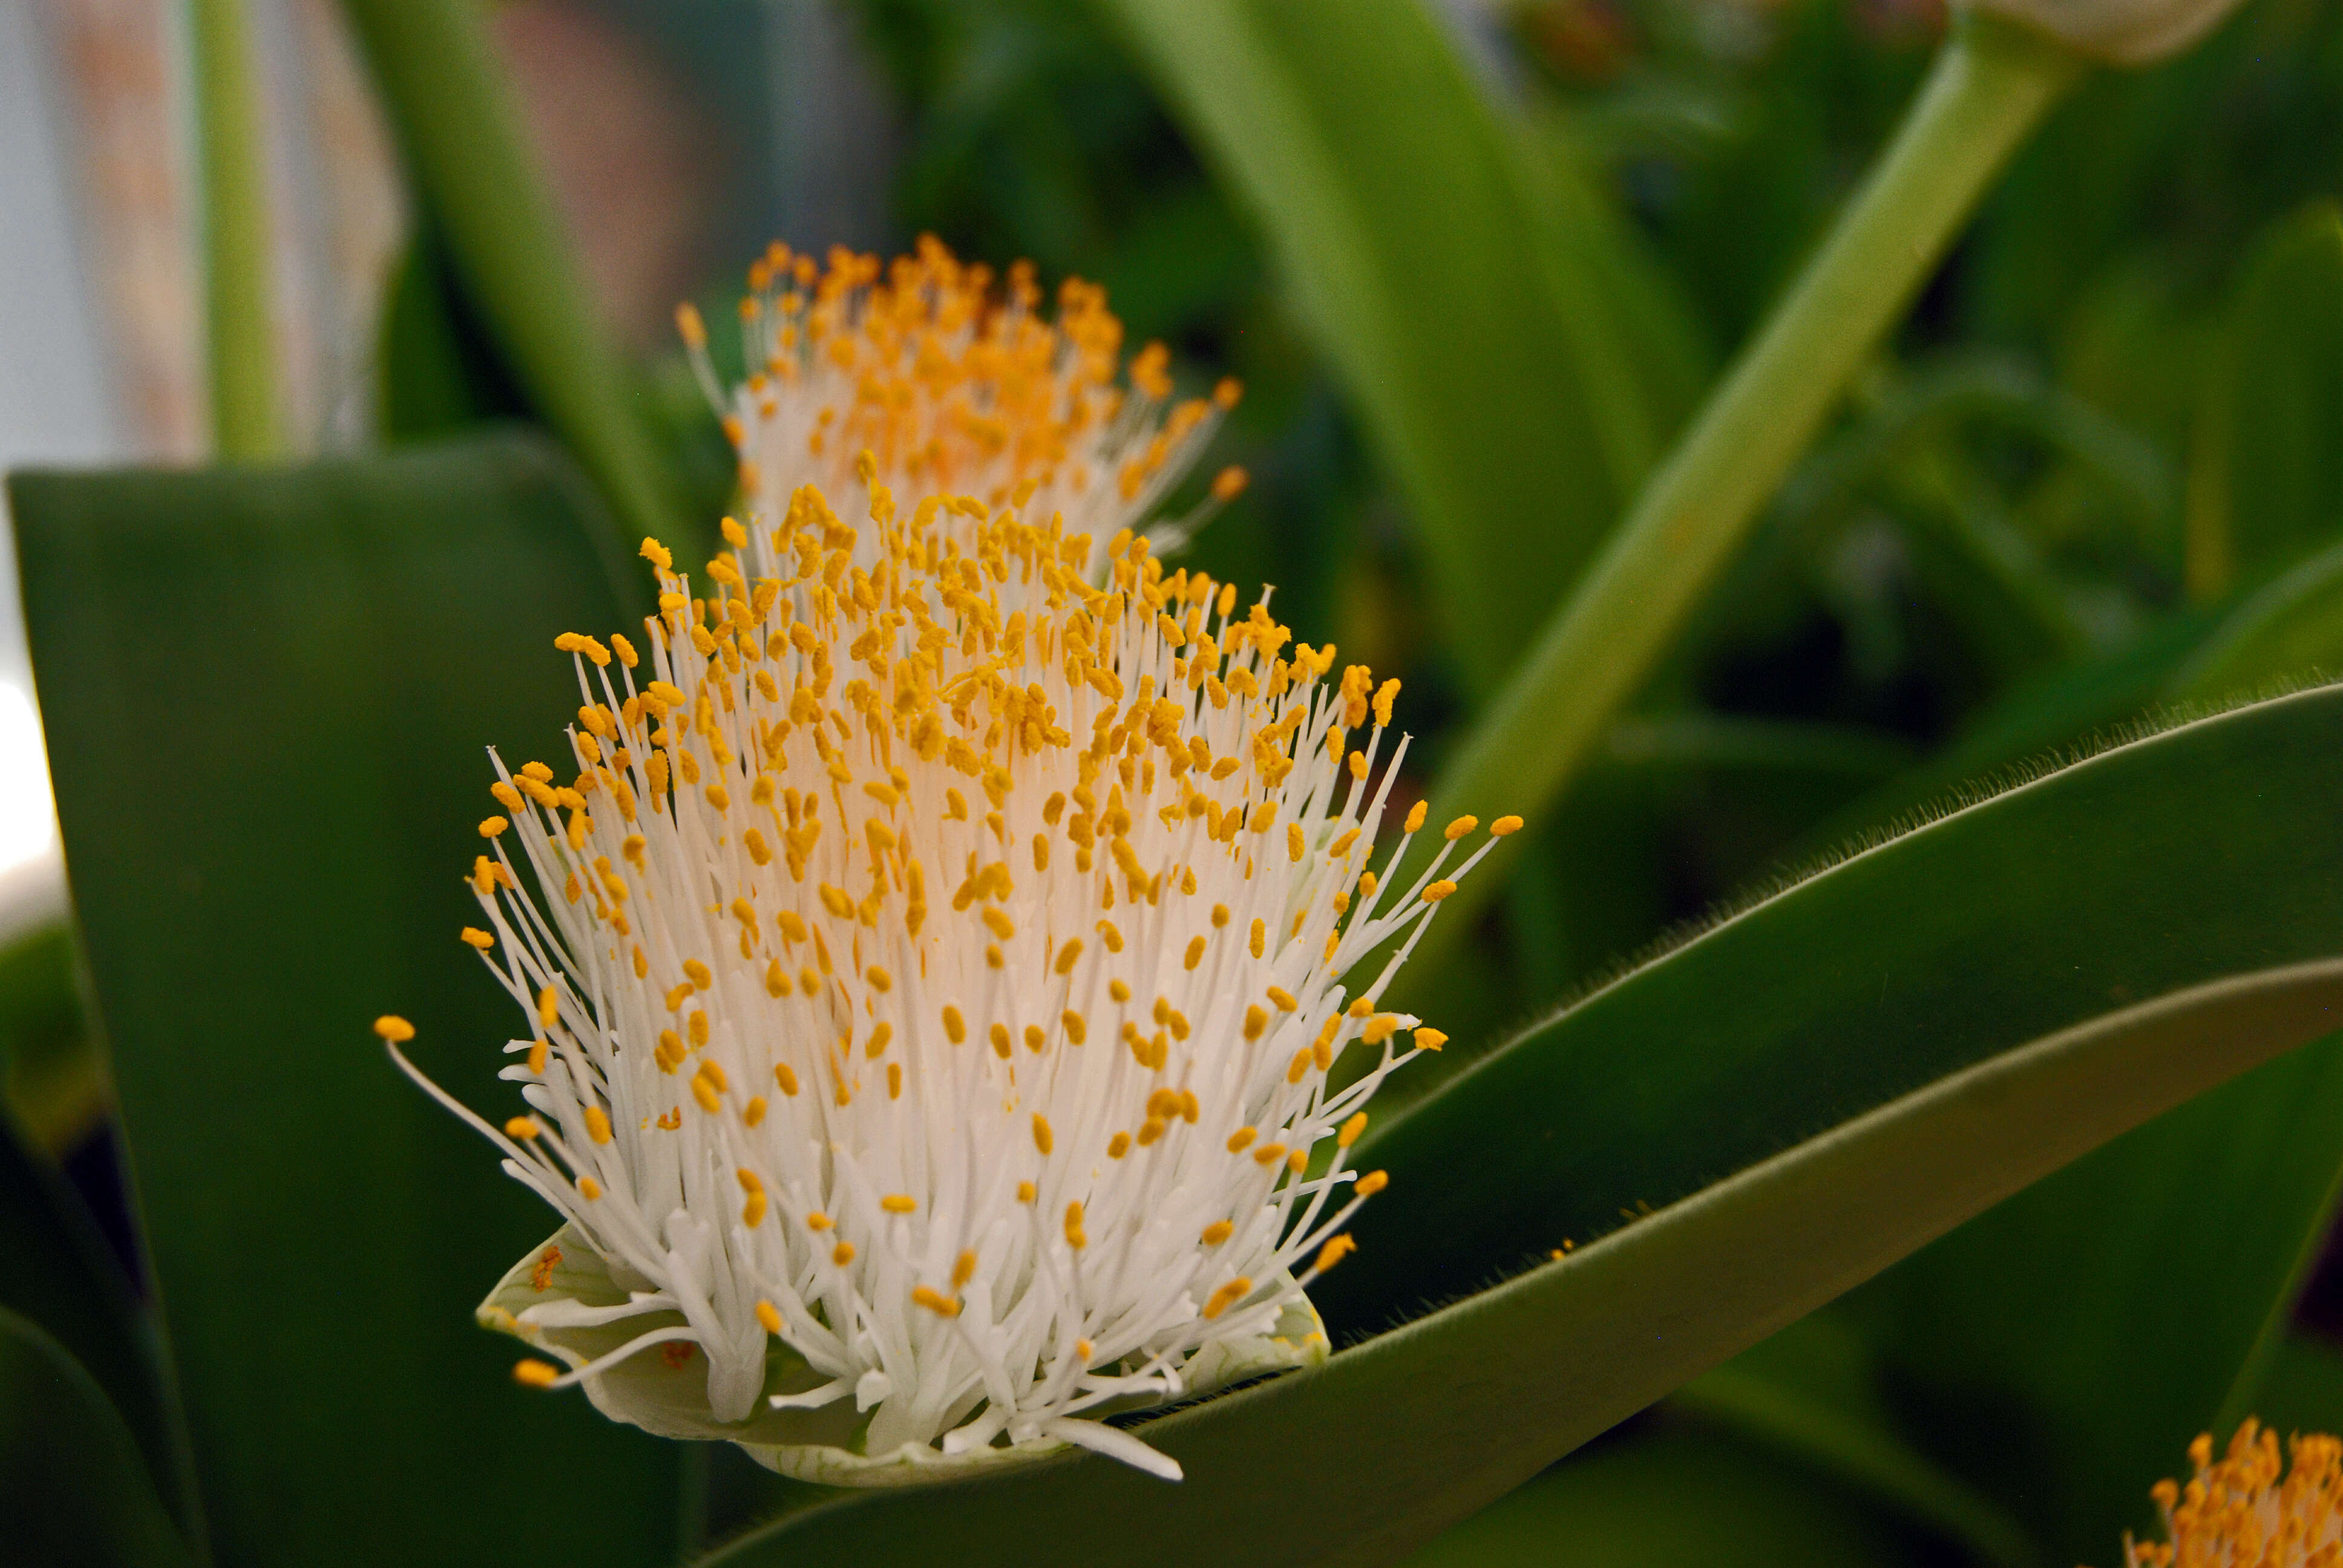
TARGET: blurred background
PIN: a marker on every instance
(2133, 348)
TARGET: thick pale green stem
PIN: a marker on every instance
(240, 340)
(465, 150)
(1988, 89)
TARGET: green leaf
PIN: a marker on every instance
(437, 369)
(1812, 1391)
(266, 695)
(1460, 288)
(2064, 1348)
(73, 1487)
(2301, 1389)
(1674, 1496)
(52, 1066)
(1403, 1435)
(62, 1279)
(2290, 628)
(2266, 477)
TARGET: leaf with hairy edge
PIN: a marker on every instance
(266, 693)
(1403, 1435)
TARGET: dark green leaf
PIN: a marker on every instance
(2301, 1389)
(1414, 1430)
(1674, 1498)
(54, 1067)
(73, 1488)
(266, 695)
(2211, 849)
(2290, 628)
(436, 371)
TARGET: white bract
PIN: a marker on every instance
(939, 953)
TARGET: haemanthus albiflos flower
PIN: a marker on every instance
(2247, 1509)
(939, 949)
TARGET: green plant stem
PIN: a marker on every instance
(465, 152)
(240, 340)
(1990, 86)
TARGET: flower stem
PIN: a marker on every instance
(240, 340)
(472, 166)
(1990, 85)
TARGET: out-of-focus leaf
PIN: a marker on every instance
(54, 1067)
(1462, 294)
(475, 174)
(73, 1488)
(436, 371)
(2211, 849)
(1466, 1402)
(1671, 1498)
(2301, 1390)
(60, 1277)
(266, 695)
(2063, 1348)
(2266, 481)
(2290, 628)
(1812, 1391)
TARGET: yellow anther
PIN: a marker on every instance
(752, 1212)
(786, 1078)
(476, 938)
(1026, 1192)
(1074, 1235)
(1001, 1042)
(1260, 939)
(880, 980)
(1372, 1182)
(537, 1053)
(1269, 1154)
(963, 1270)
(598, 1124)
(770, 1316)
(898, 1203)
(1239, 1139)
(1282, 1000)
(842, 1254)
(1295, 846)
(1438, 890)
(394, 1029)
(1255, 1021)
(523, 1128)
(955, 1026)
(1336, 1249)
(1068, 955)
(1429, 1040)
(1415, 817)
(1118, 1146)
(881, 1034)
(818, 1221)
(492, 826)
(705, 1093)
(588, 1189)
(1459, 828)
(548, 1009)
(754, 1111)
(1504, 826)
(935, 1300)
(1227, 1296)
(1118, 990)
(698, 973)
(1218, 1231)
(534, 1374)
(1379, 1028)
(999, 924)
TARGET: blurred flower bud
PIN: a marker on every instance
(2119, 32)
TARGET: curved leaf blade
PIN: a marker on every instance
(2211, 849)
(266, 693)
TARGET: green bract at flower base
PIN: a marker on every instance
(549, 1298)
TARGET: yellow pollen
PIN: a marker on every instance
(1415, 817)
(770, 1316)
(1218, 1231)
(1504, 826)
(842, 1254)
(1438, 890)
(1430, 1040)
(588, 1189)
(1075, 1238)
(1228, 1295)
(898, 1203)
(1240, 1138)
(1336, 1249)
(394, 1029)
(1459, 828)
(1372, 1182)
(786, 1078)
(476, 938)
(523, 1128)
(943, 1306)
(534, 1373)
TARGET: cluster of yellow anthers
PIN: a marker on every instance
(939, 958)
(2240, 1511)
(953, 389)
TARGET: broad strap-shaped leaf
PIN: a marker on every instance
(2289, 629)
(73, 1488)
(1397, 1438)
(1461, 291)
(265, 694)
(2210, 851)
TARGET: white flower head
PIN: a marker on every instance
(937, 963)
